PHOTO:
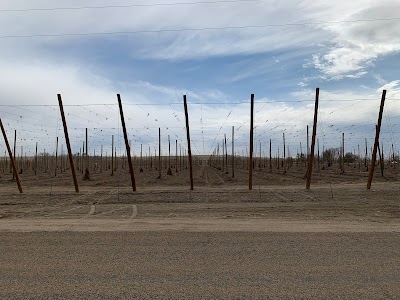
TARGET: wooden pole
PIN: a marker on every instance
(71, 159)
(169, 171)
(83, 159)
(226, 156)
(112, 155)
(223, 156)
(366, 154)
(15, 172)
(284, 154)
(188, 140)
(308, 146)
(169, 152)
(128, 150)
(251, 142)
(378, 129)
(383, 159)
(176, 156)
(318, 156)
(314, 133)
(270, 155)
(21, 160)
(233, 151)
(159, 152)
(87, 156)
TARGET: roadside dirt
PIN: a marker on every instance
(218, 202)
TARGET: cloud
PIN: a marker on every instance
(356, 46)
(393, 85)
(171, 46)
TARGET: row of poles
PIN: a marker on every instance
(251, 150)
(83, 158)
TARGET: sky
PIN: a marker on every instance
(217, 53)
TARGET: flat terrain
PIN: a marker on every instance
(181, 265)
(278, 241)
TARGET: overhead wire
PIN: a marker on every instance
(38, 9)
(166, 30)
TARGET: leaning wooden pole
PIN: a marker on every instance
(378, 129)
(71, 159)
(188, 140)
(11, 157)
(251, 143)
(314, 133)
(128, 148)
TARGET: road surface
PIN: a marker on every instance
(199, 265)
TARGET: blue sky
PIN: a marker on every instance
(279, 64)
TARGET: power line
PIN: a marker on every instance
(79, 34)
(197, 103)
(120, 6)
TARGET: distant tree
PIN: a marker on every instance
(46, 154)
(329, 155)
(350, 158)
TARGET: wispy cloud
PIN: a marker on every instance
(356, 46)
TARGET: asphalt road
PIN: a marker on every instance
(199, 265)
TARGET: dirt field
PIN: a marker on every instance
(203, 176)
(334, 196)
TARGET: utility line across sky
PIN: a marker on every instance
(38, 9)
(197, 103)
(78, 34)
